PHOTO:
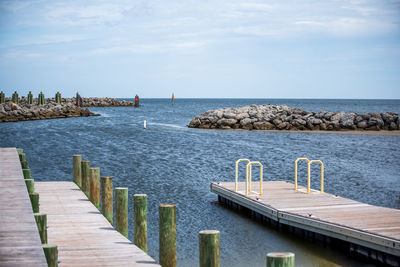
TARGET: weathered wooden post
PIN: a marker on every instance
(30, 185)
(24, 164)
(209, 248)
(140, 221)
(15, 98)
(107, 198)
(22, 156)
(77, 165)
(59, 98)
(34, 201)
(121, 210)
(27, 173)
(41, 222)
(280, 259)
(2, 98)
(95, 186)
(86, 177)
(167, 235)
(51, 253)
(30, 98)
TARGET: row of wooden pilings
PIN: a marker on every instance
(41, 99)
(90, 182)
(50, 250)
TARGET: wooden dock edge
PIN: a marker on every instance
(372, 241)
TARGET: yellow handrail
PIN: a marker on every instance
(309, 175)
(237, 172)
(295, 171)
(248, 178)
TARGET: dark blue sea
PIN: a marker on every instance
(174, 164)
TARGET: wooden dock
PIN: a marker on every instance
(83, 235)
(19, 237)
(373, 227)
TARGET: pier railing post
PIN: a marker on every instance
(24, 164)
(41, 222)
(86, 177)
(280, 259)
(140, 221)
(121, 210)
(27, 173)
(95, 186)
(167, 235)
(34, 201)
(51, 253)
(107, 198)
(209, 248)
(76, 162)
(30, 185)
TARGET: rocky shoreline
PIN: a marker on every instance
(270, 117)
(11, 112)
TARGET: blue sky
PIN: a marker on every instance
(210, 48)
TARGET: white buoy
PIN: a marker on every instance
(144, 124)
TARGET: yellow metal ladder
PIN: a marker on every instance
(309, 162)
(248, 177)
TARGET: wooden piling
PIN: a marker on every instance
(51, 253)
(27, 173)
(76, 162)
(22, 156)
(41, 222)
(30, 185)
(24, 164)
(209, 248)
(86, 177)
(140, 221)
(121, 210)
(34, 201)
(95, 186)
(2, 98)
(280, 259)
(167, 235)
(107, 198)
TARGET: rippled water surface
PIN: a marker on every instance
(174, 164)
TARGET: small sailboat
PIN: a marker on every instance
(173, 97)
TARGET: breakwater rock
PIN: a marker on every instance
(102, 102)
(270, 117)
(10, 111)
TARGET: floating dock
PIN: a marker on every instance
(83, 235)
(368, 226)
(20, 243)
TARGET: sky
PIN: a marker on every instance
(201, 49)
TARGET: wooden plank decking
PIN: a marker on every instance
(19, 237)
(83, 236)
(362, 224)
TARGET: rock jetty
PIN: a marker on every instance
(270, 117)
(102, 102)
(19, 109)
(10, 111)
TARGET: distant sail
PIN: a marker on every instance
(173, 97)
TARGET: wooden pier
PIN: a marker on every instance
(369, 226)
(20, 243)
(83, 235)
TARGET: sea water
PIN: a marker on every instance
(174, 164)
